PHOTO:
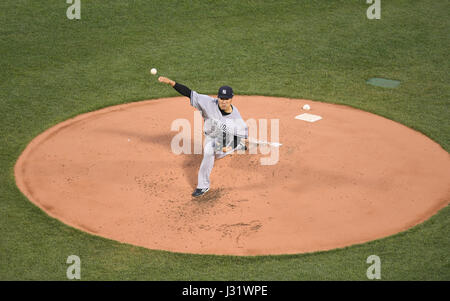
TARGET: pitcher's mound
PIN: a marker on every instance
(347, 178)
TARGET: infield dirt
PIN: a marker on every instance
(349, 178)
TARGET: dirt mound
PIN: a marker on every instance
(348, 178)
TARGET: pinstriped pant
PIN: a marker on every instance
(209, 156)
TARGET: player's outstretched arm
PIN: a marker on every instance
(183, 90)
(166, 80)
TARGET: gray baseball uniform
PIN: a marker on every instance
(220, 130)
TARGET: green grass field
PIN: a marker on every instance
(53, 68)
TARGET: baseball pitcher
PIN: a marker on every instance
(224, 129)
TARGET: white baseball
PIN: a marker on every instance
(153, 71)
(306, 107)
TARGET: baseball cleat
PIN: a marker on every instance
(199, 191)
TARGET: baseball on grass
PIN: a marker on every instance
(306, 107)
(153, 71)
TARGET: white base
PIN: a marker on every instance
(308, 117)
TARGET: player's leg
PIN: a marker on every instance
(205, 167)
(210, 154)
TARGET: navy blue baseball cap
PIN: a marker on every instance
(225, 92)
